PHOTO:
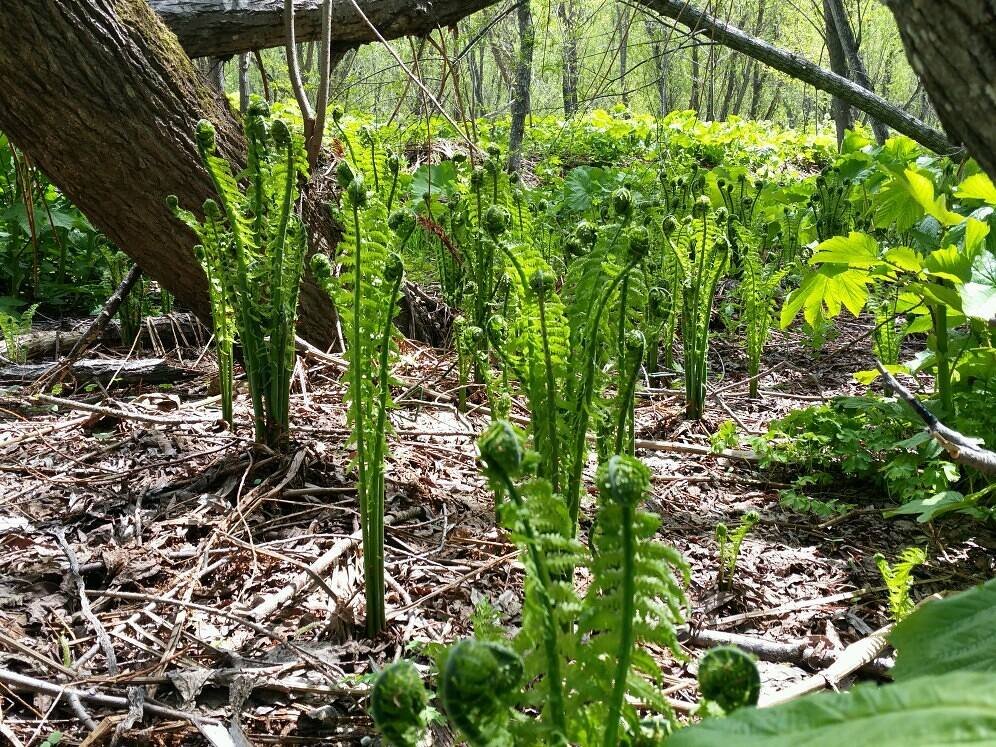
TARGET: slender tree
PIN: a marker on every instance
(523, 84)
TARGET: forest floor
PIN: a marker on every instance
(166, 541)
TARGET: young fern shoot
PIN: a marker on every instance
(757, 289)
(251, 247)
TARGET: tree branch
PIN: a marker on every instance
(960, 448)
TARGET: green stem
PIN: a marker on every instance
(374, 595)
(939, 315)
(582, 403)
(628, 612)
(626, 408)
(376, 623)
(551, 401)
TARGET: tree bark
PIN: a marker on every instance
(126, 99)
(811, 73)
(839, 108)
(569, 83)
(215, 28)
(950, 45)
(849, 46)
(521, 103)
(662, 63)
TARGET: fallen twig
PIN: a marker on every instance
(114, 701)
(960, 448)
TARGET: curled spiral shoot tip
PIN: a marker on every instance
(206, 139)
(623, 479)
(501, 449)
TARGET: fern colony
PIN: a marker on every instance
(569, 297)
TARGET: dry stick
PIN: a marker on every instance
(305, 656)
(107, 312)
(112, 412)
(66, 424)
(303, 581)
(797, 652)
(87, 612)
(41, 686)
(852, 658)
(960, 448)
(36, 655)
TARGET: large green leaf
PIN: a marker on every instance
(824, 292)
(978, 297)
(922, 190)
(952, 709)
(977, 187)
(583, 185)
(948, 635)
(855, 250)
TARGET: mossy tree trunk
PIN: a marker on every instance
(105, 100)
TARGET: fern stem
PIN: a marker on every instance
(625, 651)
(551, 400)
(582, 404)
(626, 413)
(377, 463)
(374, 595)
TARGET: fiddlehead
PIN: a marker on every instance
(398, 703)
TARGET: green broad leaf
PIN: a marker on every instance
(975, 235)
(583, 185)
(855, 250)
(928, 509)
(904, 258)
(951, 709)
(869, 376)
(949, 263)
(436, 179)
(978, 296)
(824, 292)
(894, 206)
(977, 187)
(957, 634)
(922, 190)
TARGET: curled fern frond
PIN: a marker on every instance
(478, 684)
(398, 703)
(728, 676)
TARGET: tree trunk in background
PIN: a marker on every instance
(523, 84)
(694, 98)
(839, 108)
(622, 24)
(950, 45)
(568, 19)
(243, 82)
(662, 63)
(859, 73)
(825, 80)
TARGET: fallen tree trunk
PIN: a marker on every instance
(179, 330)
(802, 69)
(144, 370)
(219, 28)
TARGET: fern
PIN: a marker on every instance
(251, 247)
(728, 545)
(757, 291)
(635, 599)
(702, 250)
(503, 456)
(366, 292)
(12, 327)
(898, 579)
